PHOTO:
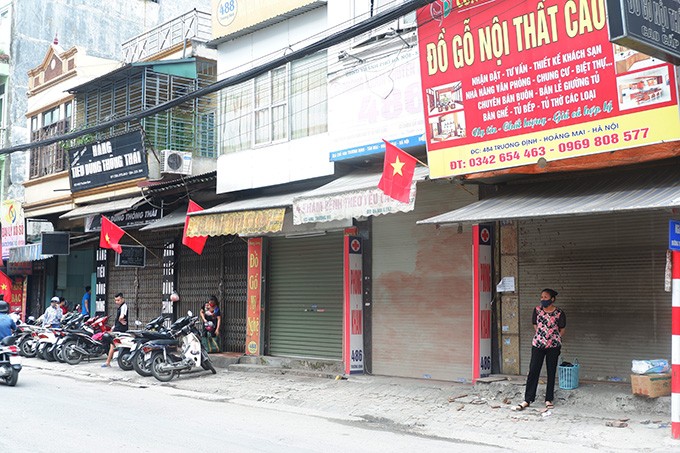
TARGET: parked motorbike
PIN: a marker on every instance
(47, 337)
(84, 343)
(10, 361)
(154, 330)
(27, 339)
(167, 358)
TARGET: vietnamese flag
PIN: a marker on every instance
(110, 235)
(397, 173)
(195, 243)
(5, 287)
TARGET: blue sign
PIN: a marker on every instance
(375, 148)
(674, 235)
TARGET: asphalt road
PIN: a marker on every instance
(46, 413)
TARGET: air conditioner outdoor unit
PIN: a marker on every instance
(178, 162)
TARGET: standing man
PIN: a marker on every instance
(7, 325)
(53, 314)
(121, 324)
(85, 303)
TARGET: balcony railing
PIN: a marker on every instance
(50, 159)
(194, 24)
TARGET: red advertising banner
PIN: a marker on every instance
(253, 321)
(18, 296)
(511, 82)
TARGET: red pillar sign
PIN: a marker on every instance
(253, 321)
(353, 345)
(481, 314)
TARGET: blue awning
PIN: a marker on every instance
(26, 253)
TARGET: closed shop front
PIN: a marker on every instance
(141, 286)
(221, 271)
(422, 289)
(305, 297)
(609, 271)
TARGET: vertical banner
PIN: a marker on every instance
(168, 280)
(482, 253)
(12, 226)
(18, 296)
(100, 288)
(253, 322)
(353, 350)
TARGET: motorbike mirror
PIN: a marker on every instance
(189, 313)
(138, 322)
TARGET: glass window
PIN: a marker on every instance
(286, 103)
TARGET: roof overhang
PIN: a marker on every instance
(630, 190)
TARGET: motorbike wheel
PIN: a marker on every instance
(49, 353)
(28, 347)
(140, 365)
(12, 379)
(71, 356)
(59, 351)
(41, 351)
(56, 352)
(206, 363)
(158, 360)
(124, 359)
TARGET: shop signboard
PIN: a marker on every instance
(141, 215)
(118, 159)
(230, 16)
(674, 235)
(510, 85)
(649, 26)
(376, 100)
(13, 231)
(353, 350)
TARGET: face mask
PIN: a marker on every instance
(546, 303)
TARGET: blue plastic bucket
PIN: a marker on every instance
(568, 376)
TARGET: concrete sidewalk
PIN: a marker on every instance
(480, 414)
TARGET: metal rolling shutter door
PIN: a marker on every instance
(609, 270)
(306, 272)
(142, 287)
(220, 271)
(422, 290)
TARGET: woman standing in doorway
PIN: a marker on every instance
(549, 322)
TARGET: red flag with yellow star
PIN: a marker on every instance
(195, 243)
(5, 287)
(110, 235)
(397, 173)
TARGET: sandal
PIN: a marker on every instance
(521, 406)
(549, 405)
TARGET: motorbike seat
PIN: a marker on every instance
(8, 341)
(166, 342)
(157, 335)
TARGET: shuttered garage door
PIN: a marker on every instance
(609, 271)
(422, 290)
(305, 297)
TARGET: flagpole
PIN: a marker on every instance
(134, 239)
(420, 162)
